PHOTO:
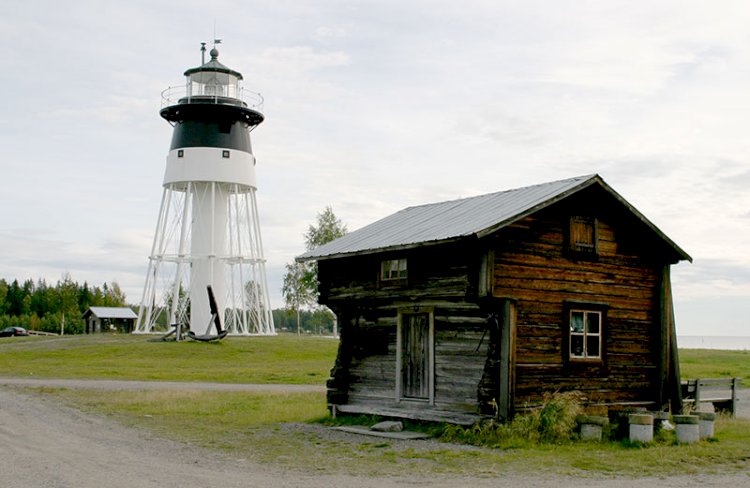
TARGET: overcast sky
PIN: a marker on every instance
(375, 106)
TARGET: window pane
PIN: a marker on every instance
(576, 345)
(393, 269)
(576, 321)
(592, 322)
(592, 346)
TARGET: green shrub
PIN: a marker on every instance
(553, 422)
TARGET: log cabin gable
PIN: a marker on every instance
(587, 226)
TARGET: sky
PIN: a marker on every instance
(373, 106)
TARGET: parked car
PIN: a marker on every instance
(13, 331)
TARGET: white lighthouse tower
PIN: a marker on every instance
(208, 231)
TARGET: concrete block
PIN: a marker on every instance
(641, 427)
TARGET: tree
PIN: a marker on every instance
(37, 305)
(113, 295)
(3, 295)
(300, 287)
(329, 227)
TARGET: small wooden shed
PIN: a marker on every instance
(109, 319)
(477, 307)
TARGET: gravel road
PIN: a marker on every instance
(45, 444)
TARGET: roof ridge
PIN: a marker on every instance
(510, 190)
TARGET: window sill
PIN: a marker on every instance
(574, 255)
(393, 282)
(584, 360)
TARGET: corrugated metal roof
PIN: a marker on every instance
(444, 221)
(112, 312)
(475, 216)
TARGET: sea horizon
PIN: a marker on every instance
(734, 343)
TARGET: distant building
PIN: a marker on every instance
(478, 307)
(109, 319)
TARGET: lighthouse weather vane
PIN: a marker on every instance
(208, 229)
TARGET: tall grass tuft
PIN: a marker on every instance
(556, 420)
(553, 423)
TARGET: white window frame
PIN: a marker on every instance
(585, 335)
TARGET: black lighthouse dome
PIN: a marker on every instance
(211, 109)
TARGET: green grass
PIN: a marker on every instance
(264, 427)
(711, 363)
(280, 359)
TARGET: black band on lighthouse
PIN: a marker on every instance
(211, 125)
(226, 134)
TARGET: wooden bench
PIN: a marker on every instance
(721, 392)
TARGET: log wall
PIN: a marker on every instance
(531, 266)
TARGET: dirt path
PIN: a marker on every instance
(45, 444)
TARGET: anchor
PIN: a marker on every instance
(215, 320)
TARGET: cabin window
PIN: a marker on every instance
(393, 269)
(582, 236)
(415, 357)
(585, 334)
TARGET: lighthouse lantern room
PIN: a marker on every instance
(208, 230)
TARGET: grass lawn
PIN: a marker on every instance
(712, 363)
(280, 359)
(265, 427)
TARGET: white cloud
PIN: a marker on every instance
(375, 106)
(298, 60)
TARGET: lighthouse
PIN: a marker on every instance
(208, 229)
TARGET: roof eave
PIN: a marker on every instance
(401, 247)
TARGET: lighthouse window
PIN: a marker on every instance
(180, 153)
(225, 154)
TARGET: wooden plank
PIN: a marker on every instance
(432, 415)
(722, 392)
(507, 358)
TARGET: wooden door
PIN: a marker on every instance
(415, 356)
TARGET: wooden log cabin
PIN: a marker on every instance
(475, 308)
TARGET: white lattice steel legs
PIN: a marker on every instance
(207, 233)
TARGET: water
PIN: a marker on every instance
(713, 342)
